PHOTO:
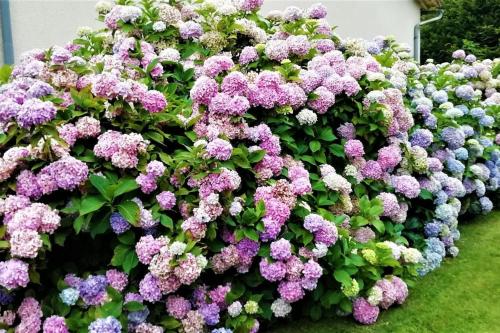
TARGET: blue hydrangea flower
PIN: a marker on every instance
(422, 138)
(463, 108)
(445, 212)
(468, 130)
(118, 223)
(435, 245)
(485, 142)
(461, 154)
(92, 288)
(138, 317)
(465, 92)
(222, 330)
(431, 262)
(431, 121)
(486, 205)
(455, 166)
(440, 96)
(210, 313)
(432, 229)
(477, 112)
(454, 137)
(453, 251)
(69, 296)
(486, 121)
(441, 198)
(469, 72)
(5, 297)
(105, 325)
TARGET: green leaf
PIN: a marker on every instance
(130, 212)
(170, 323)
(315, 312)
(241, 160)
(5, 72)
(119, 255)
(133, 306)
(379, 225)
(314, 146)
(252, 234)
(102, 185)
(78, 224)
(425, 194)
(130, 261)
(337, 150)
(326, 134)
(114, 294)
(166, 221)
(91, 204)
(342, 277)
(376, 210)
(125, 185)
(346, 305)
(127, 238)
(256, 156)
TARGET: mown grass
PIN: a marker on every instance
(461, 296)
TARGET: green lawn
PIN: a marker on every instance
(461, 296)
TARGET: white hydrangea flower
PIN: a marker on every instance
(280, 308)
(375, 76)
(307, 117)
(320, 250)
(411, 255)
(235, 208)
(375, 295)
(350, 170)
(84, 31)
(177, 248)
(200, 214)
(337, 183)
(234, 309)
(326, 169)
(485, 75)
(201, 261)
(159, 26)
(102, 7)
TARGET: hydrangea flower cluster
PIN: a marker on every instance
(288, 165)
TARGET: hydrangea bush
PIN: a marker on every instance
(198, 167)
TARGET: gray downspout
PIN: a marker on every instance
(416, 34)
(5, 21)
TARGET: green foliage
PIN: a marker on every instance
(431, 296)
(471, 25)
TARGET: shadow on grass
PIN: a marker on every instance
(463, 296)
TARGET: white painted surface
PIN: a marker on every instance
(364, 18)
(42, 23)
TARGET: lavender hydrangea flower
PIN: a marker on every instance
(105, 325)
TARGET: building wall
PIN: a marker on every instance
(42, 23)
(364, 18)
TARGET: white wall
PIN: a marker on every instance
(364, 18)
(42, 23)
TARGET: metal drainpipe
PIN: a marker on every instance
(8, 46)
(416, 34)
